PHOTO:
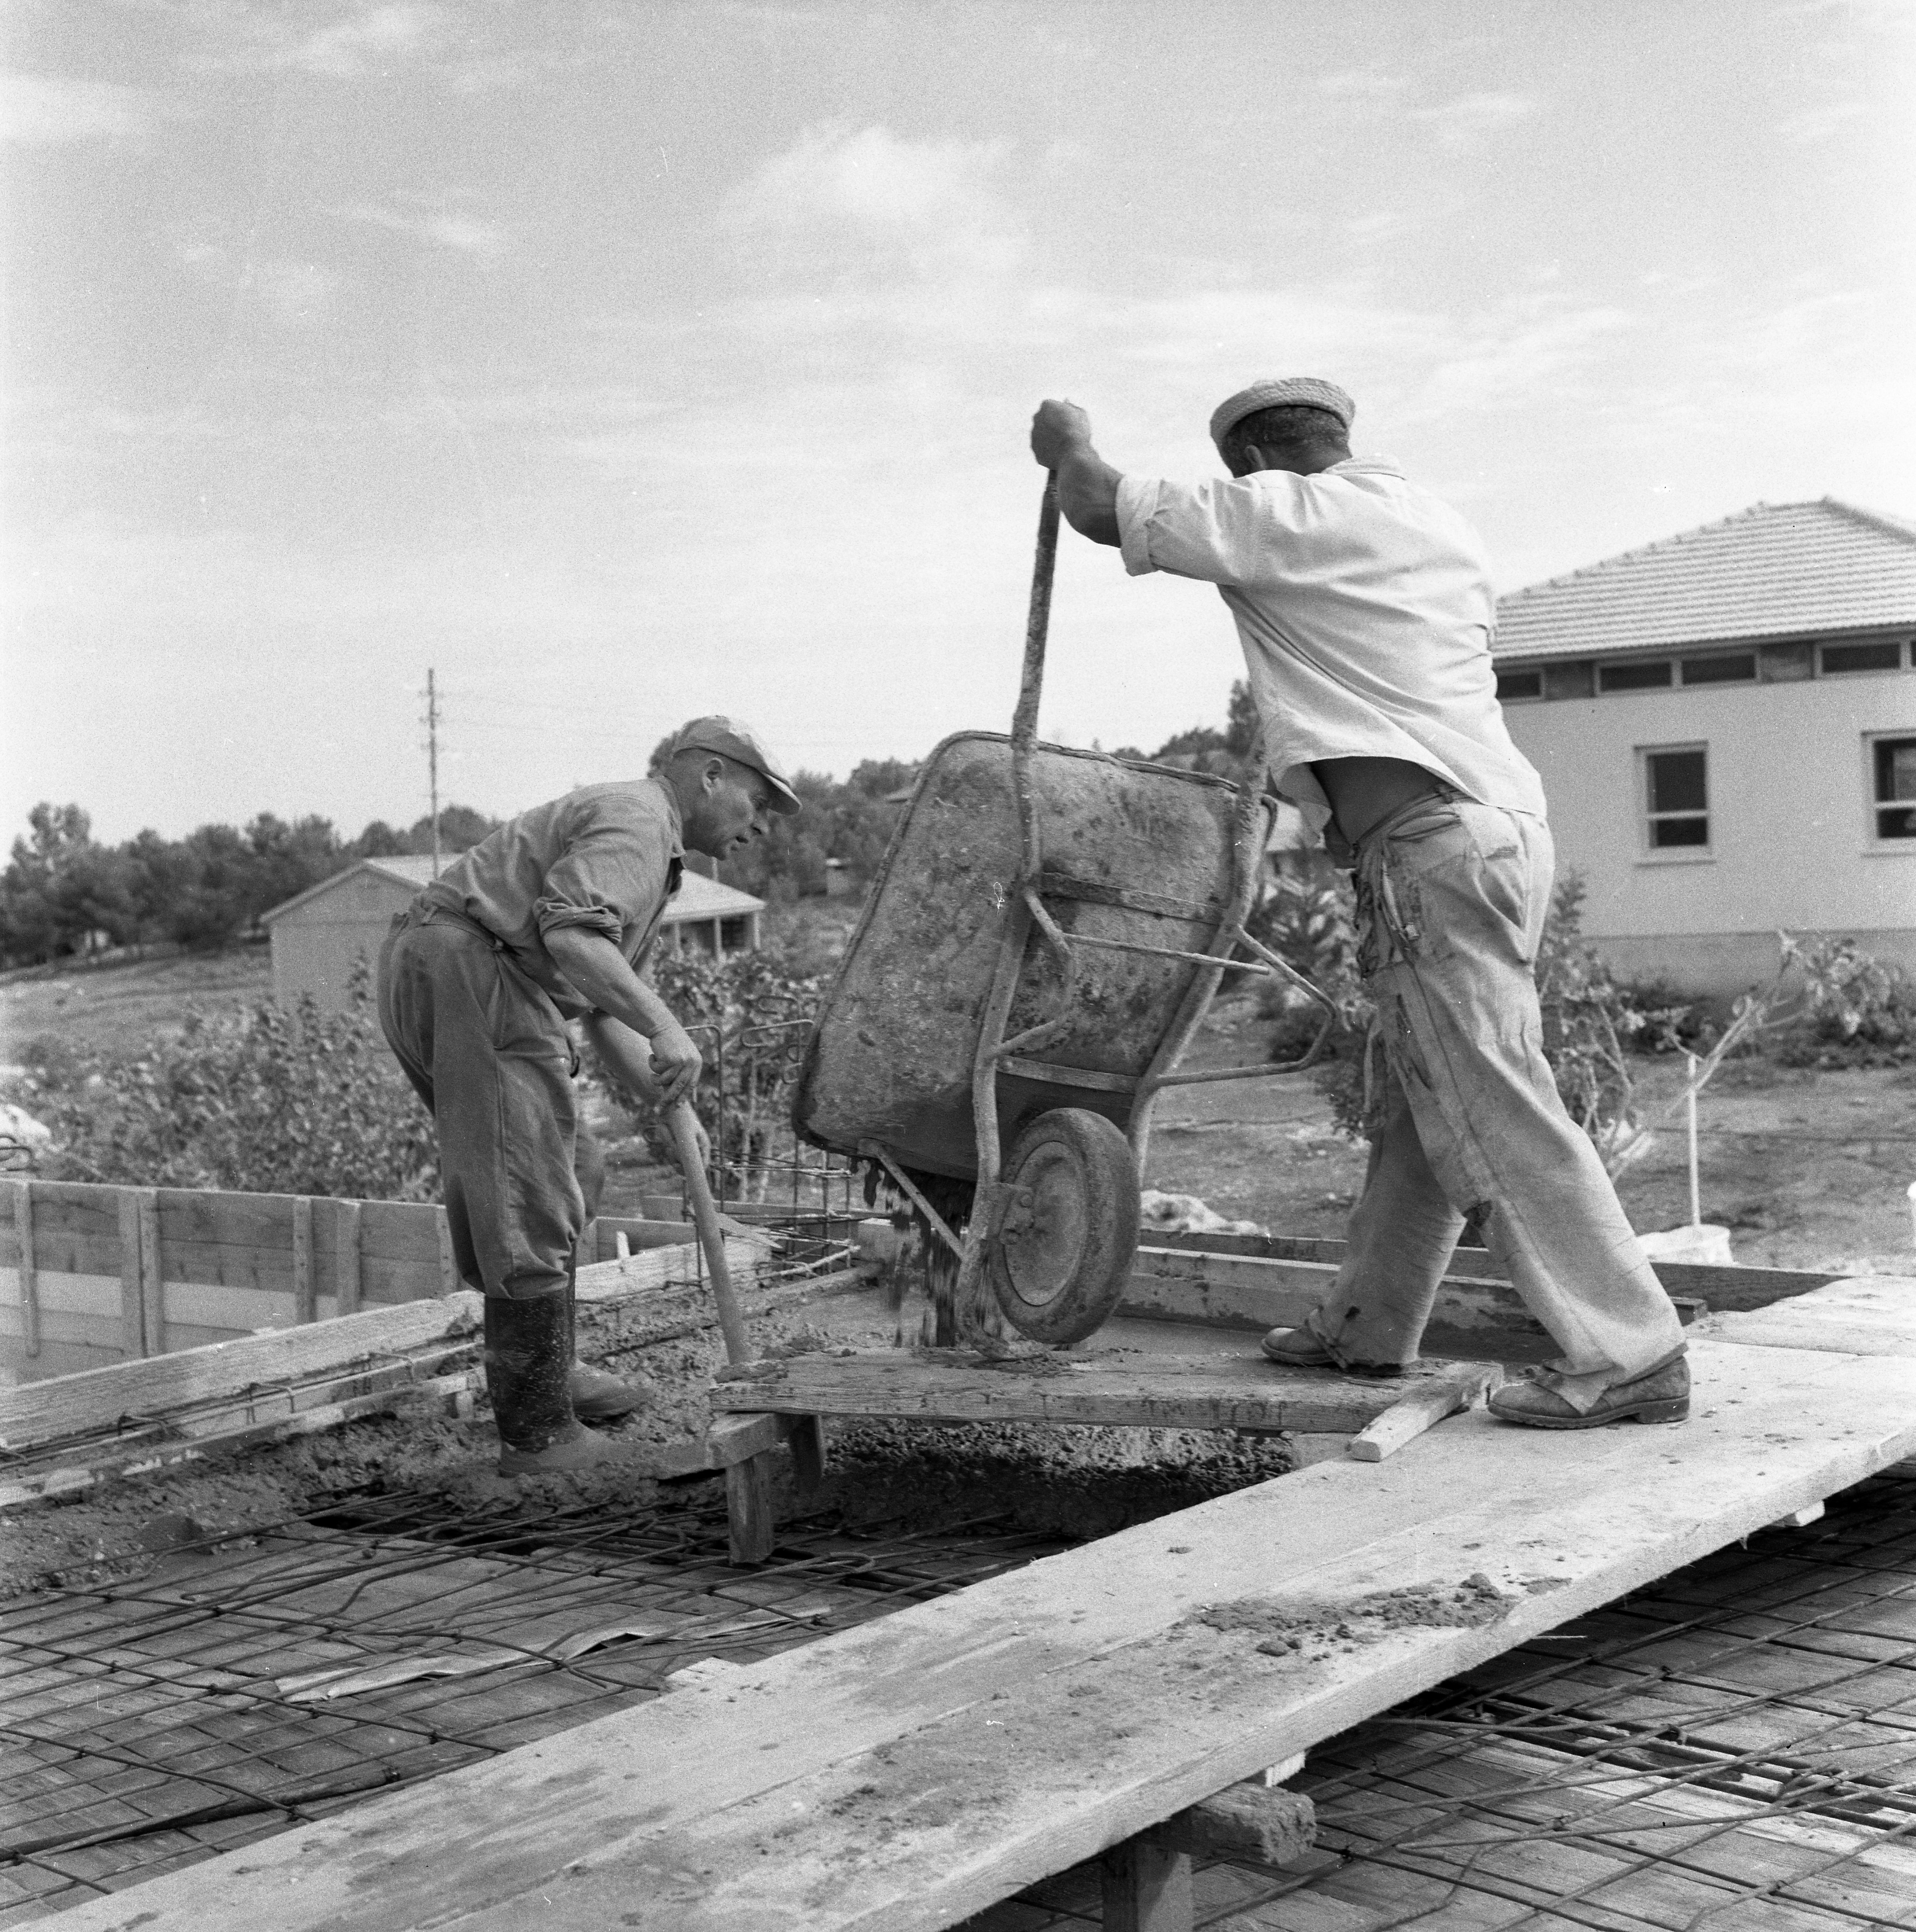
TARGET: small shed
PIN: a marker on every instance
(318, 935)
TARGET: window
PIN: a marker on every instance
(1652, 676)
(1839, 658)
(1518, 684)
(1676, 792)
(1739, 667)
(1577, 679)
(1893, 762)
(1785, 663)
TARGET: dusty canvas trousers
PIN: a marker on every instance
(1451, 900)
(486, 1050)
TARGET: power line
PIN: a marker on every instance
(432, 759)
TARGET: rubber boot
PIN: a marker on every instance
(597, 1395)
(527, 1358)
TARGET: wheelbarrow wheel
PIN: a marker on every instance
(1064, 1250)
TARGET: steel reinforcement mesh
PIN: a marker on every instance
(259, 1680)
(1732, 1749)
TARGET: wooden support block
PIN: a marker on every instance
(449, 1282)
(22, 1191)
(304, 1292)
(748, 1509)
(1282, 1772)
(1422, 1409)
(808, 1451)
(1244, 1824)
(738, 1439)
(1147, 1888)
(1799, 1518)
(133, 1312)
(346, 1281)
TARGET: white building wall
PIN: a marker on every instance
(1789, 801)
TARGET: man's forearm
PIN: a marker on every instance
(626, 1057)
(1088, 493)
(598, 971)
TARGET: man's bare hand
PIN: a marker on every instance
(675, 1064)
(1057, 430)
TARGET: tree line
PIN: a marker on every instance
(65, 893)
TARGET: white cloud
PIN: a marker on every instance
(1360, 85)
(871, 198)
(38, 109)
(372, 38)
(1809, 125)
(1466, 121)
(459, 232)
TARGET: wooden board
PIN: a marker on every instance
(1733, 1288)
(899, 1777)
(1865, 1315)
(1250, 1292)
(67, 1406)
(656, 1268)
(1110, 1389)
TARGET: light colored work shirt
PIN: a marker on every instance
(607, 857)
(1364, 607)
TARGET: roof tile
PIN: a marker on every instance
(1775, 570)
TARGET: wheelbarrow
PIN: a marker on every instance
(1046, 933)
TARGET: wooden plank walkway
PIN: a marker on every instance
(906, 1775)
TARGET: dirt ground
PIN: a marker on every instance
(124, 1006)
(1808, 1167)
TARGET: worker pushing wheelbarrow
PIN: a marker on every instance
(1045, 935)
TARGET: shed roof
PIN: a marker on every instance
(1776, 570)
(697, 898)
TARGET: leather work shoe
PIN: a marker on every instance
(1299, 1348)
(598, 1397)
(1661, 1394)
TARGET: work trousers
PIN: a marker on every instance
(486, 1050)
(1451, 900)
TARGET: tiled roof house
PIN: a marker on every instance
(1726, 722)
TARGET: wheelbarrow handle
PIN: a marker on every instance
(1024, 719)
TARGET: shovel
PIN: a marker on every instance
(684, 1125)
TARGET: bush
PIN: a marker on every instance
(1855, 1008)
(1591, 1021)
(262, 1102)
(748, 1015)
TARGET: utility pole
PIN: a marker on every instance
(432, 759)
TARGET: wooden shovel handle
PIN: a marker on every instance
(684, 1124)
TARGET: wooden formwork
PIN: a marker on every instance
(111, 1274)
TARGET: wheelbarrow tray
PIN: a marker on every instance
(1133, 852)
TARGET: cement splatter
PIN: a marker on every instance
(1282, 1627)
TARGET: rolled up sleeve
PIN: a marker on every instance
(1240, 531)
(610, 877)
(1137, 498)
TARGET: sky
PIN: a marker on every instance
(625, 362)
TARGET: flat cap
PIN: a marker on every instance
(733, 738)
(1309, 392)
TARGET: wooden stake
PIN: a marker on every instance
(305, 1299)
(748, 1509)
(345, 1256)
(449, 1282)
(22, 1191)
(132, 1317)
(152, 1288)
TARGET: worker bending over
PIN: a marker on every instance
(550, 919)
(1364, 608)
